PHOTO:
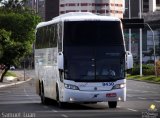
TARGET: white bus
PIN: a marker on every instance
(81, 58)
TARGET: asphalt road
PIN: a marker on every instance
(21, 101)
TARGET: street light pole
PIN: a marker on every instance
(140, 44)
(105, 10)
(114, 8)
(37, 4)
(154, 44)
(129, 6)
(24, 70)
(154, 49)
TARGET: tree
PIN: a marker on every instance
(6, 46)
(19, 34)
(13, 4)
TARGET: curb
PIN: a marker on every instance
(16, 83)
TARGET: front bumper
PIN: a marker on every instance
(69, 95)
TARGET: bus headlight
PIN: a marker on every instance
(119, 86)
(69, 86)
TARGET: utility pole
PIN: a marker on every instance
(154, 49)
(114, 7)
(140, 37)
(130, 43)
(37, 4)
(24, 70)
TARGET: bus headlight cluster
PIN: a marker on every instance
(69, 86)
(118, 86)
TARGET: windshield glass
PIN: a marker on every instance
(88, 64)
(93, 51)
(92, 33)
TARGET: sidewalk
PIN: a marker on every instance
(10, 80)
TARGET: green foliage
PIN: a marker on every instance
(21, 28)
(10, 49)
(9, 73)
(148, 78)
(17, 30)
(146, 70)
(13, 4)
(21, 25)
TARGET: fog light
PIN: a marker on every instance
(119, 99)
(71, 99)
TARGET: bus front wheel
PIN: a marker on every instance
(60, 104)
(44, 100)
(112, 104)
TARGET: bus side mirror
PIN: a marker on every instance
(129, 60)
(60, 61)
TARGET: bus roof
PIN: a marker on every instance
(78, 16)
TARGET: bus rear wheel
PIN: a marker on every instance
(112, 104)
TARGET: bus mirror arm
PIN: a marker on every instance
(60, 61)
(60, 53)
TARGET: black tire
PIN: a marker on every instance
(39, 88)
(112, 104)
(44, 100)
(42, 95)
(60, 104)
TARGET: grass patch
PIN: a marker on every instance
(9, 73)
(149, 78)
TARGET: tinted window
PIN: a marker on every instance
(92, 33)
(46, 37)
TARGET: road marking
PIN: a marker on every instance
(65, 116)
(142, 98)
(132, 110)
(129, 95)
(25, 92)
(54, 110)
(46, 107)
(5, 91)
(31, 98)
(142, 91)
(78, 111)
(19, 102)
(157, 101)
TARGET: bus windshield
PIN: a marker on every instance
(93, 51)
(92, 33)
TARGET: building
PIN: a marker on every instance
(38, 6)
(102, 7)
(151, 5)
(148, 6)
(47, 9)
(151, 15)
(51, 9)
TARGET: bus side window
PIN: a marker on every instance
(59, 27)
(44, 41)
(47, 37)
(39, 38)
(52, 38)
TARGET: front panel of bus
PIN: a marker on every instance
(94, 60)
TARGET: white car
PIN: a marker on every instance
(12, 68)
